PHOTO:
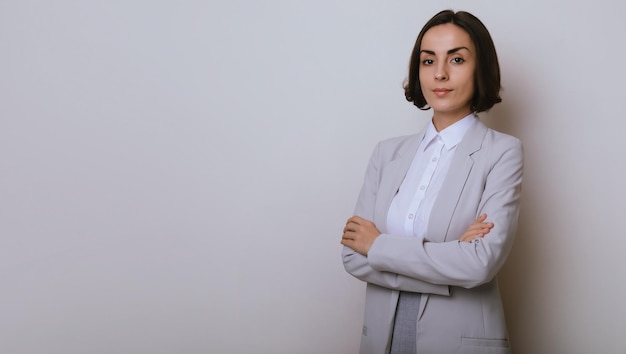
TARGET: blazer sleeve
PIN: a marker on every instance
(464, 264)
(358, 265)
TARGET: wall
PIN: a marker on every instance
(174, 176)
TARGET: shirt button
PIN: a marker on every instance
(434, 159)
(410, 216)
(422, 188)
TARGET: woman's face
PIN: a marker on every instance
(447, 66)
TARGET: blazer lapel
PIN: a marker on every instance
(450, 193)
(447, 200)
(392, 176)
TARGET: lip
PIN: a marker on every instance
(440, 92)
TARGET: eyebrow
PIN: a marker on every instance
(451, 51)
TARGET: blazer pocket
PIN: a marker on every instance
(484, 346)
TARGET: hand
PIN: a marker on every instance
(479, 228)
(359, 234)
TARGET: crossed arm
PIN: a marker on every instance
(359, 234)
(418, 265)
(358, 237)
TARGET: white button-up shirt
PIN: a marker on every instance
(411, 206)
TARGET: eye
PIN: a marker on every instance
(427, 61)
(458, 60)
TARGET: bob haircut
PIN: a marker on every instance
(487, 74)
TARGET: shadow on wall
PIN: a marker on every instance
(522, 274)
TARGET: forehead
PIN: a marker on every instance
(445, 37)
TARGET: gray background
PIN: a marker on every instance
(175, 175)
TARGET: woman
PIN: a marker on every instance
(437, 213)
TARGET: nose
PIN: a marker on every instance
(441, 73)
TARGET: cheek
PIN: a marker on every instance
(471, 75)
(469, 83)
(471, 87)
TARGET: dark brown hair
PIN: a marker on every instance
(487, 75)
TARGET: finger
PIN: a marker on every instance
(357, 220)
(351, 219)
(474, 228)
(482, 225)
(485, 228)
(351, 226)
(482, 231)
(360, 221)
(481, 218)
(348, 243)
(349, 235)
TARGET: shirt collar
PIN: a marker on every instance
(451, 135)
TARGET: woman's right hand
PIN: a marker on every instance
(479, 228)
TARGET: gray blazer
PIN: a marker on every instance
(460, 307)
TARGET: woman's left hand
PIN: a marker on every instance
(359, 234)
(478, 229)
